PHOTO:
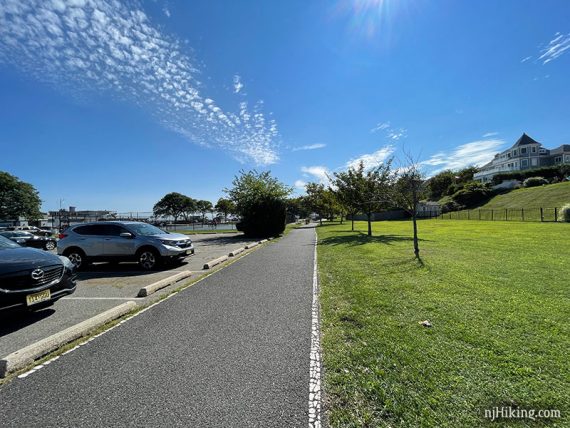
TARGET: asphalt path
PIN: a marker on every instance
(230, 351)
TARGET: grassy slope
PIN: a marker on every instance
(496, 294)
(550, 196)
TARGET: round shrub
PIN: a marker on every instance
(535, 181)
(564, 214)
(264, 218)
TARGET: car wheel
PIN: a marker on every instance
(50, 245)
(77, 257)
(148, 259)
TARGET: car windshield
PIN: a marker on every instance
(145, 229)
(5, 243)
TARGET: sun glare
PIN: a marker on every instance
(366, 18)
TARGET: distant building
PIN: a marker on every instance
(72, 216)
(526, 153)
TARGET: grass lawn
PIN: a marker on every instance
(549, 196)
(497, 296)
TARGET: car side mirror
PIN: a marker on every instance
(126, 235)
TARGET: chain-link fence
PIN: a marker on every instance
(505, 214)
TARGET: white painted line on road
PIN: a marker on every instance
(21, 358)
(24, 375)
(315, 367)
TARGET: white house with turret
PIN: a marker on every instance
(526, 153)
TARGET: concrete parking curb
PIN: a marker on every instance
(236, 252)
(25, 356)
(253, 244)
(215, 262)
(154, 287)
(263, 241)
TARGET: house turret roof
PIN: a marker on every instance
(525, 140)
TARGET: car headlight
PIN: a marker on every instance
(169, 243)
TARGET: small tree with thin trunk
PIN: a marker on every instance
(376, 188)
(348, 186)
(409, 189)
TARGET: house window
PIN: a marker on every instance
(558, 159)
(523, 150)
(524, 163)
(534, 161)
(567, 158)
(533, 149)
(514, 152)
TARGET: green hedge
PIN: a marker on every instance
(264, 218)
(560, 172)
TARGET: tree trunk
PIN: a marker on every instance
(352, 218)
(369, 215)
(416, 245)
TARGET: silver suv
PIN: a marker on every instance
(116, 241)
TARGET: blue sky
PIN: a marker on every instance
(111, 104)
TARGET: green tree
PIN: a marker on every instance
(349, 187)
(189, 207)
(18, 198)
(376, 190)
(260, 201)
(204, 207)
(439, 184)
(172, 204)
(226, 207)
(317, 199)
(409, 189)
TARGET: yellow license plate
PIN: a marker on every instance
(42, 296)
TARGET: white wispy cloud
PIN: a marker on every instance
(300, 184)
(526, 59)
(474, 153)
(380, 127)
(490, 134)
(317, 173)
(372, 159)
(309, 147)
(238, 86)
(555, 48)
(166, 11)
(87, 46)
(390, 132)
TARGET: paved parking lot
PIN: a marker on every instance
(103, 286)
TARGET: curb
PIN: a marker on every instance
(253, 244)
(155, 286)
(236, 252)
(263, 241)
(215, 262)
(25, 356)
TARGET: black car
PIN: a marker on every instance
(28, 239)
(31, 278)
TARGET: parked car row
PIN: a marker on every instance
(32, 278)
(27, 239)
(31, 229)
